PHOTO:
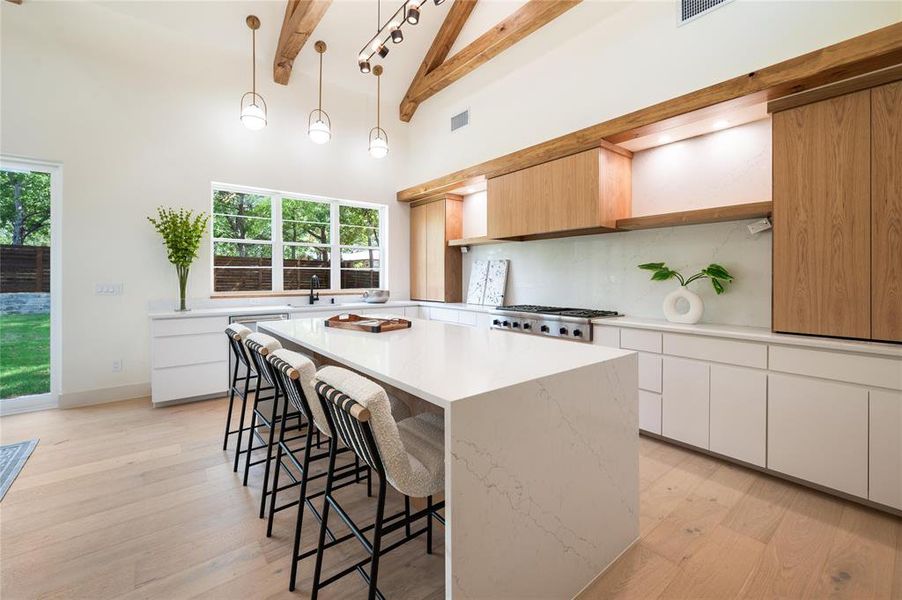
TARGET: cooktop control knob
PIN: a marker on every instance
(506, 324)
(544, 328)
(496, 322)
(516, 325)
(563, 331)
(527, 326)
(577, 333)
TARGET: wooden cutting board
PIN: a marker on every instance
(369, 324)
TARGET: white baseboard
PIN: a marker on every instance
(25, 404)
(104, 395)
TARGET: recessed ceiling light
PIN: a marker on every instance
(720, 124)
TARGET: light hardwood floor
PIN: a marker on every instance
(123, 500)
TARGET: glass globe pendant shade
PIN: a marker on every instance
(378, 143)
(318, 127)
(253, 111)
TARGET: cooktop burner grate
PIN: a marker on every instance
(583, 313)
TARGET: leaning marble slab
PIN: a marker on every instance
(541, 447)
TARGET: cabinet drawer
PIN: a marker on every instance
(650, 372)
(854, 368)
(605, 335)
(640, 339)
(650, 412)
(738, 414)
(188, 326)
(745, 354)
(189, 349)
(414, 312)
(818, 431)
(465, 317)
(684, 401)
(886, 448)
(178, 383)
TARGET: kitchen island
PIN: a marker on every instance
(541, 446)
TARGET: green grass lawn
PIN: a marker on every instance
(24, 355)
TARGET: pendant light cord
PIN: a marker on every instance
(320, 83)
(254, 64)
(378, 100)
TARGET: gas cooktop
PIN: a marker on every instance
(567, 323)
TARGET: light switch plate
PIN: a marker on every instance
(108, 289)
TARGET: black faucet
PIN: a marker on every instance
(314, 284)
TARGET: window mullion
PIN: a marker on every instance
(278, 283)
(335, 251)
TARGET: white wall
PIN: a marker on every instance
(604, 59)
(141, 117)
(600, 271)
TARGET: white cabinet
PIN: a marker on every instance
(415, 312)
(604, 335)
(738, 415)
(685, 398)
(650, 372)
(189, 357)
(818, 431)
(886, 448)
(639, 339)
(650, 412)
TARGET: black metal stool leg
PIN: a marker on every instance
(272, 434)
(377, 539)
(324, 524)
(250, 433)
(278, 467)
(298, 526)
(428, 525)
(241, 421)
(228, 426)
(407, 515)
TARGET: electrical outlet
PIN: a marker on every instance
(108, 289)
(117, 366)
(759, 226)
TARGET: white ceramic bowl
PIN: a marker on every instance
(375, 296)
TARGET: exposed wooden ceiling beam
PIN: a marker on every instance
(15, 1)
(301, 18)
(862, 54)
(438, 51)
(528, 18)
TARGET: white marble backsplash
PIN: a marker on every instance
(599, 271)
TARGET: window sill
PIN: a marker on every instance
(294, 293)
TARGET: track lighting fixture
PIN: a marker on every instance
(413, 15)
(409, 12)
(397, 36)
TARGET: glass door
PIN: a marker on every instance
(29, 323)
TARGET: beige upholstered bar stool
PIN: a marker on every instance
(408, 455)
(270, 413)
(239, 385)
(294, 375)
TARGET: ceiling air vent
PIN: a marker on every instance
(461, 119)
(693, 9)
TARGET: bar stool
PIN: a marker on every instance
(408, 454)
(266, 411)
(239, 385)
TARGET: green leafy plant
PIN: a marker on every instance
(718, 275)
(182, 232)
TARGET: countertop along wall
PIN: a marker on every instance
(143, 114)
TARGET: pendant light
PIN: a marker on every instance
(378, 137)
(253, 107)
(319, 125)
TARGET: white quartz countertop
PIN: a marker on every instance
(442, 362)
(273, 309)
(755, 334)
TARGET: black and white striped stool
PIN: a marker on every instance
(239, 385)
(409, 455)
(267, 412)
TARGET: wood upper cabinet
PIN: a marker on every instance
(822, 217)
(886, 212)
(585, 191)
(435, 268)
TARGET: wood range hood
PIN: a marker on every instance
(511, 175)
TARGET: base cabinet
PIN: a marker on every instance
(650, 412)
(685, 400)
(886, 448)
(818, 431)
(738, 415)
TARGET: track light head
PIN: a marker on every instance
(364, 66)
(397, 36)
(437, 2)
(413, 15)
(383, 51)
